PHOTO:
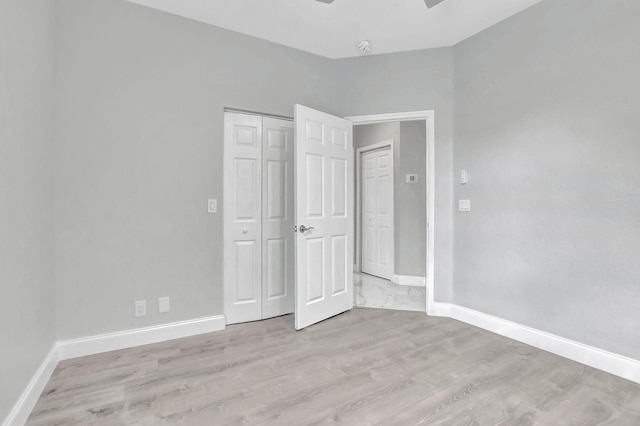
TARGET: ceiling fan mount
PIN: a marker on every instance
(428, 3)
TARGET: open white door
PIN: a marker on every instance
(324, 216)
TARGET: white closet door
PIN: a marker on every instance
(377, 213)
(242, 218)
(277, 214)
(324, 204)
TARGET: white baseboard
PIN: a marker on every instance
(67, 349)
(141, 336)
(22, 408)
(408, 280)
(610, 362)
(438, 309)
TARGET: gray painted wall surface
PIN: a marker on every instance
(411, 203)
(26, 193)
(409, 155)
(411, 81)
(547, 124)
(139, 151)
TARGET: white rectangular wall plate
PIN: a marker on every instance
(412, 178)
(464, 177)
(464, 205)
(141, 308)
(212, 205)
(164, 304)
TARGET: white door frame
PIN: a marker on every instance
(429, 117)
(359, 152)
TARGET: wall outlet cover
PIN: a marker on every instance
(464, 205)
(141, 308)
(164, 304)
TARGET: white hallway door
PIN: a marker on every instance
(324, 208)
(258, 217)
(377, 213)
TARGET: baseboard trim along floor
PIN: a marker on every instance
(91, 345)
(409, 280)
(610, 362)
(141, 336)
(22, 408)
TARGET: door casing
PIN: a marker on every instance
(429, 117)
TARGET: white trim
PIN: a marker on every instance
(429, 117)
(141, 336)
(610, 362)
(92, 345)
(29, 397)
(439, 309)
(359, 152)
(381, 118)
(408, 280)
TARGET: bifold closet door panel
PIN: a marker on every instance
(277, 213)
(242, 218)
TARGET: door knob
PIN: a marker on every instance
(304, 229)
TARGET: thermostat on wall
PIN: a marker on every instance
(412, 178)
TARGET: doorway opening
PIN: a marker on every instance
(410, 285)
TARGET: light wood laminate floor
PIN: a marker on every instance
(364, 367)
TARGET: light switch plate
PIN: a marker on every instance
(212, 205)
(412, 178)
(464, 205)
(464, 177)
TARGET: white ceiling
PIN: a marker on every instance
(333, 30)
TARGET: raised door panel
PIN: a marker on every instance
(277, 229)
(315, 264)
(276, 264)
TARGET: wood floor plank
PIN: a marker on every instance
(364, 367)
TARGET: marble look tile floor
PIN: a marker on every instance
(374, 292)
(364, 367)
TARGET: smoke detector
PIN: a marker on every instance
(364, 46)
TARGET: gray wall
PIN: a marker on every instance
(547, 124)
(26, 193)
(139, 151)
(410, 216)
(410, 81)
(411, 210)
